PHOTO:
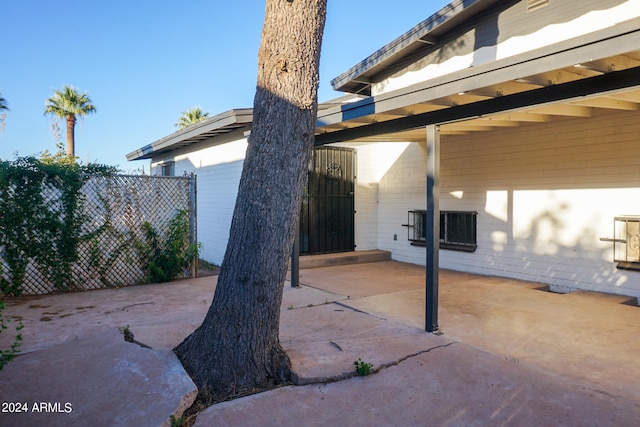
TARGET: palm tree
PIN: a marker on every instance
(3, 103)
(68, 104)
(191, 116)
(4, 106)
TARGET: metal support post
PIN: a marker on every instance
(432, 227)
(295, 257)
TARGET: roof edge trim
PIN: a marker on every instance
(219, 121)
(420, 31)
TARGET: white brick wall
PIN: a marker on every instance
(218, 171)
(402, 188)
(373, 162)
(544, 193)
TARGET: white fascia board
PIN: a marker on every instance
(231, 117)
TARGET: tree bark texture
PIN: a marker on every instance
(71, 139)
(236, 349)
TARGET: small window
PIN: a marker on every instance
(457, 229)
(417, 227)
(167, 169)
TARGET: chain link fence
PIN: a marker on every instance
(114, 209)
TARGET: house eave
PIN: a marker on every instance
(351, 120)
(358, 78)
(219, 124)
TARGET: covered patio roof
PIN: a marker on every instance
(358, 78)
(572, 78)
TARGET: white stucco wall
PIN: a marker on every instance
(544, 193)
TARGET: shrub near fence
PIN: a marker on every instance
(72, 227)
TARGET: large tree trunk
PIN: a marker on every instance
(71, 140)
(236, 349)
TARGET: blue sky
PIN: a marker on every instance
(144, 62)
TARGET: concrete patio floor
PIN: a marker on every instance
(510, 354)
(586, 336)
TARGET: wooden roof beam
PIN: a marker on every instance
(552, 77)
(506, 88)
(608, 65)
(527, 117)
(460, 99)
(452, 132)
(417, 109)
(612, 63)
(632, 96)
(464, 127)
(525, 101)
(613, 104)
(489, 121)
(634, 55)
(564, 110)
(341, 126)
(375, 118)
(620, 62)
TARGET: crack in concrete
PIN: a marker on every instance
(133, 305)
(418, 353)
(298, 381)
(357, 310)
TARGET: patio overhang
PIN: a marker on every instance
(571, 78)
(358, 78)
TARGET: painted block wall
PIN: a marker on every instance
(369, 163)
(544, 193)
(218, 169)
(402, 188)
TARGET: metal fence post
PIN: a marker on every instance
(193, 218)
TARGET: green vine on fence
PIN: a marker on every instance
(33, 226)
(7, 355)
(165, 257)
(100, 260)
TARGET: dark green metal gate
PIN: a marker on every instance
(327, 215)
